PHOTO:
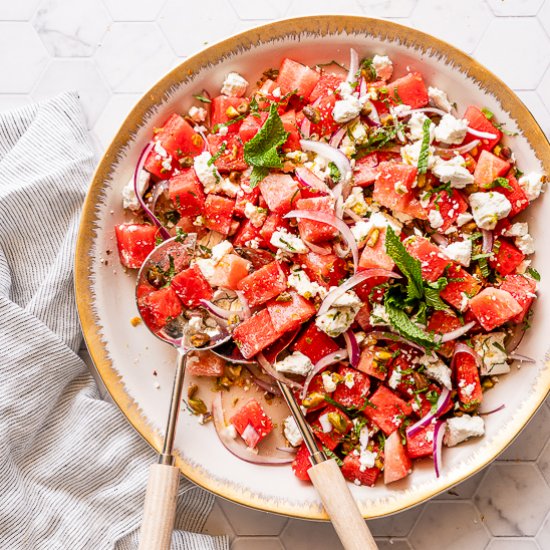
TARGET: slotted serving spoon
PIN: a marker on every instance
(162, 487)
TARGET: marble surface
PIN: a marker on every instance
(111, 51)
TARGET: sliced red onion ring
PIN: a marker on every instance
(492, 411)
(522, 358)
(432, 110)
(309, 179)
(268, 367)
(454, 334)
(158, 190)
(141, 161)
(481, 135)
(381, 335)
(335, 293)
(439, 432)
(462, 149)
(440, 240)
(219, 311)
(352, 347)
(272, 352)
(373, 115)
(515, 339)
(305, 127)
(331, 154)
(322, 251)
(351, 214)
(337, 137)
(441, 405)
(333, 221)
(487, 245)
(234, 446)
(289, 450)
(206, 145)
(244, 302)
(362, 88)
(463, 348)
(266, 385)
(326, 361)
(353, 65)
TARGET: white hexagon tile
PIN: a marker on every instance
(111, 51)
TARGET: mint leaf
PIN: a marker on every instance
(534, 273)
(202, 98)
(424, 148)
(433, 299)
(409, 266)
(334, 172)
(501, 182)
(261, 151)
(488, 114)
(407, 328)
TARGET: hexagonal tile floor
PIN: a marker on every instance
(113, 50)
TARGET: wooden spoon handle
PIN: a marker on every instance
(341, 506)
(160, 507)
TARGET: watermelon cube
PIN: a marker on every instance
(221, 105)
(478, 121)
(493, 307)
(218, 213)
(449, 206)
(314, 343)
(252, 423)
(186, 192)
(204, 363)
(280, 192)
(251, 124)
(159, 307)
(462, 287)
(135, 242)
(289, 123)
(353, 471)
(387, 410)
(507, 258)
(421, 443)
(488, 168)
(301, 463)
(227, 273)
(517, 197)
(363, 317)
(523, 289)
(326, 269)
(296, 78)
(374, 253)
(397, 463)
(231, 157)
(271, 224)
(316, 232)
(264, 284)
(255, 334)
(326, 86)
(441, 322)
(410, 90)
(245, 195)
(191, 286)
(432, 261)
(365, 171)
(353, 390)
(290, 314)
(247, 232)
(335, 436)
(370, 364)
(467, 382)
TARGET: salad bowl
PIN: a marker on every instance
(137, 369)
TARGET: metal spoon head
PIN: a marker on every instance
(170, 257)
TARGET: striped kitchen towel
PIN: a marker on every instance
(72, 471)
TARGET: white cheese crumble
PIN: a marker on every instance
(416, 127)
(439, 99)
(220, 250)
(488, 208)
(129, 198)
(349, 380)
(532, 184)
(367, 459)
(435, 219)
(197, 114)
(356, 202)
(395, 378)
(303, 285)
(255, 214)
(287, 242)
(411, 152)
(207, 174)
(463, 219)
(297, 363)
(234, 85)
(383, 66)
(437, 370)
(291, 431)
(518, 229)
(361, 230)
(229, 188)
(340, 316)
(326, 426)
(328, 382)
(451, 130)
(491, 350)
(453, 171)
(379, 316)
(526, 244)
(460, 428)
(460, 251)
(346, 109)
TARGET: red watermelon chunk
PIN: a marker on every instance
(375, 256)
(421, 443)
(228, 272)
(255, 334)
(326, 125)
(280, 192)
(314, 343)
(353, 471)
(204, 363)
(160, 306)
(335, 436)
(186, 192)
(264, 284)
(467, 382)
(387, 410)
(441, 322)
(221, 105)
(462, 287)
(245, 195)
(218, 213)
(493, 307)
(449, 206)
(397, 463)
(316, 232)
(507, 258)
(410, 90)
(326, 86)
(432, 261)
(135, 242)
(292, 143)
(191, 286)
(488, 168)
(247, 232)
(517, 197)
(296, 78)
(252, 423)
(271, 224)
(353, 390)
(369, 364)
(523, 289)
(301, 463)
(478, 121)
(251, 124)
(229, 152)
(365, 170)
(289, 315)
(325, 269)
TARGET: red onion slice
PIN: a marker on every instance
(522, 358)
(333, 221)
(353, 65)
(432, 110)
(442, 403)
(268, 367)
(462, 149)
(233, 446)
(322, 251)
(439, 239)
(141, 161)
(352, 347)
(362, 88)
(335, 293)
(515, 340)
(454, 334)
(463, 348)
(244, 302)
(373, 115)
(158, 190)
(381, 335)
(439, 432)
(219, 311)
(337, 137)
(481, 135)
(351, 214)
(309, 179)
(487, 245)
(265, 385)
(326, 361)
(331, 154)
(305, 127)
(492, 411)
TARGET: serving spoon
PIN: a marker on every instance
(162, 487)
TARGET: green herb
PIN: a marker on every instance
(433, 397)
(500, 347)
(397, 96)
(216, 127)
(424, 147)
(534, 273)
(432, 294)
(158, 240)
(330, 454)
(181, 235)
(217, 154)
(381, 440)
(334, 172)
(475, 236)
(378, 139)
(205, 250)
(409, 266)
(484, 267)
(261, 151)
(406, 327)
(488, 114)
(253, 106)
(202, 99)
(501, 182)
(482, 256)
(518, 173)
(369, 69)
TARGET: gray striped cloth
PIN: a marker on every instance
(72, 471)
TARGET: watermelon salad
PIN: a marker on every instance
(359, 236)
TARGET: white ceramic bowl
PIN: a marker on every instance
(126, 356)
